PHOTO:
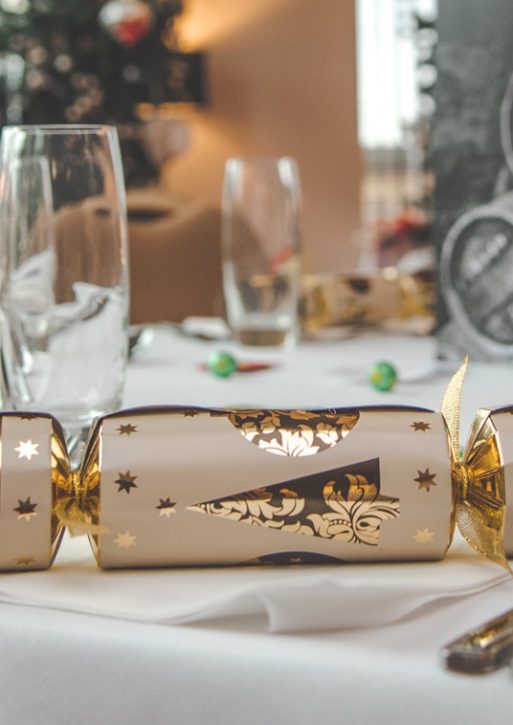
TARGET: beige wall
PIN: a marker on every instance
(281, 81)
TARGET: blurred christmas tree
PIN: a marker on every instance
(93, 61)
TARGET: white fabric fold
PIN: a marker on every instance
(292, 599)
(329, 605)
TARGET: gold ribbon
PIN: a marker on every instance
(478, 477)
(76, 500)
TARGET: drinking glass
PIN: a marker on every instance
(64, 286)
(261, 250)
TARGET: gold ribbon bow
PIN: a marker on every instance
(478, 477)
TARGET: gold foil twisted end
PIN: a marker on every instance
(478, 478)
(480, 512)
(462, 477)
(76, 503)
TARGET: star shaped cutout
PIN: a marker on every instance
(27, 449)
(166, 507)
(424, 536)
(420, 425)
(25, 509)
(125, 482)
(127, 430)
(425, 479)
(24, 560)
(190, 413)
(125, 540)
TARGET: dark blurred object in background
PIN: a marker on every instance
(95, 61)
(473, 162)
(409, 232)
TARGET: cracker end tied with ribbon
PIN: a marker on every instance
(477, 477)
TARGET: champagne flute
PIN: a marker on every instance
(261, 250)
(64, 287)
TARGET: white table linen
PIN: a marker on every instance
(61, 663)
(290, 599)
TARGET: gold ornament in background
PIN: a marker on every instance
(348, 302)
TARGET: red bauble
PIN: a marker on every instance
(131, 31)
(128, 21)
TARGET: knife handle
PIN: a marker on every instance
(483, 649)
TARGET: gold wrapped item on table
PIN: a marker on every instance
(193, 486)
(31, 450)
(187, 487)
(340, 303)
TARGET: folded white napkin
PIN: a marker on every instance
(304, 598)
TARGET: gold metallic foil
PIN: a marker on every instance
(478, 478)
(348, 301)
(76, 498)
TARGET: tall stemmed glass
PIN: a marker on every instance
(64, 293)
(261, 249)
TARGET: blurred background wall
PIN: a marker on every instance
(281, 79)
(344, 86)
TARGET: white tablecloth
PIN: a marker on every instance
(60, 666)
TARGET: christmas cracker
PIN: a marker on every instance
(182, 486)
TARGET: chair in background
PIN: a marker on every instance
(175, 257)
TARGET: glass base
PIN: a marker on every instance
(261, 337)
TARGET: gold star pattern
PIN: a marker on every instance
(166, 507)
(24, 560)
(125, 482)
(420, 425)
(27, 449)
(424, 536)
(25, 509)
(425, 479)
(127, 430)
(125, 540)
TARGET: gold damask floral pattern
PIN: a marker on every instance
(357, 520)
(343, 504)
(294, 432)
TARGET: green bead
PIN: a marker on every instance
(383, 376)
(222, 364)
